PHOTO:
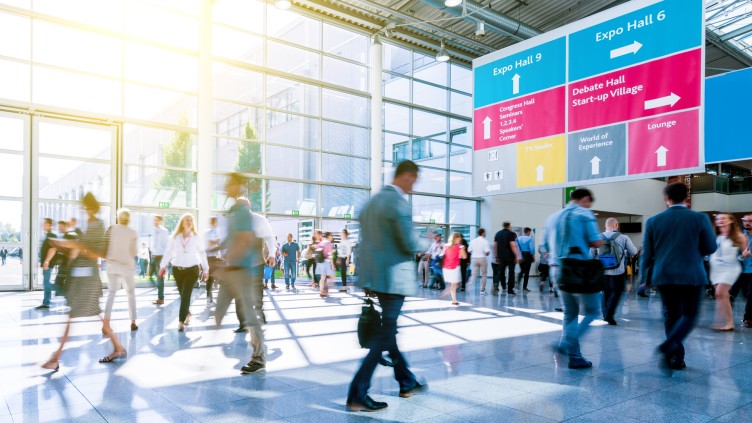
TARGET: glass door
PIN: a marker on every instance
(14, 205)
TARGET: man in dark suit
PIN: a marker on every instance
(507, 256)
(673, 249)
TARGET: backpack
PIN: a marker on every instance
(611, 253)
(318, 254)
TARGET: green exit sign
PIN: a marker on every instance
(348, 216)
(568, 194)
(164, 205)
(296, 212)
(432, 221)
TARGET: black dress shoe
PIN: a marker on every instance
(239, 330)
(677, 364)
(365, 404)
(417, 389)
(611, 322)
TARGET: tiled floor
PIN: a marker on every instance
(488, 360)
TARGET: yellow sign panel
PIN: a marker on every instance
(542, 162)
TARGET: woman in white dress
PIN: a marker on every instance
(725, 267)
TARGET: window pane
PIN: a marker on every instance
(101, 13)
(397, 59)
(292, 130)
(346, 139)
(245, 14)
(238, 156)
(462, 104)
(155, 24)
(59, 176)
(146, 186)
(292, 96)
(345, 107)
(235, 120)
(429, 153)
(345, 170)
(396, 147)
(72, 48)
(460, 184)
(12, 130)
(293, 27)
(345, 74)
(253, 191)
(160, 67)
(75, 91)
(237, 45)
(75, 141)
(462, 211)
(18, 29)
(429, 96)
(158, 105)
(238, 84)
(347, 44)
(13, 171)
(396, 87)
(427, 209)
(159, 147)
(396, 118)
(432, 181)
(284, 197)
(428, 125)
(16, 81)
(429, 69)
(292, 60)
(461, 159)
(461, 136)
(337, 202)
(462, 79)
(292, 163)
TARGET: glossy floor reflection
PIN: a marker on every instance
(488, 360)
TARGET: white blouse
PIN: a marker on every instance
(185, 252)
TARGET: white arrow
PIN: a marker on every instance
(596, 165)
(486, 128)
(540, 170)
(490, 188)
(622, 51)
(669, 100)
(661, 153)
(516, 84)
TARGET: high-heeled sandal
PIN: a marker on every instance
(53, 365)
(114, 356)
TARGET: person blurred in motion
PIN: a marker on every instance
(674, 245)
(310, 262)
(725, 267)
(120, 266)
(73, 227)
(507, 256)
(61, 258)
(387, 268)
(454, 253)
(318, 258)
(143, 260)
(526, 247)
(344, 251)
(544, 270)
(744, 283)
(188, 258)
(424, 264)
(479, 251)
(464, 263)
(291, 257)
(85, 289)
(3, 254)
(326, 268)
(46, 255)
(614, 286)
(241, 278)
(159, 240)
(212, 255)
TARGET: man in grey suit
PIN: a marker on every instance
(387, 268)
(673, 249)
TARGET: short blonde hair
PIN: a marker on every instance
(124, 216)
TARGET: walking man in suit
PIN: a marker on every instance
(675, 243)
(387, 268)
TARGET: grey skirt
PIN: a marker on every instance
(83, 294)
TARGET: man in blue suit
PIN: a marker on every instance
(674, 246)
(387, 268)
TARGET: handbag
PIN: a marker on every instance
(579, 276)
(368, 324)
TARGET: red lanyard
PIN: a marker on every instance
(184, 244)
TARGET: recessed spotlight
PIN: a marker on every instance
(452, 3)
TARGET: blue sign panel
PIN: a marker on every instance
(646, 34)
(728, 101)
(523, 73)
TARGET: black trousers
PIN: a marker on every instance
(525, 273)
(496, 276)
(185, 278)
(463, 270)
(744, 284)
(214, 264)
(612, 292)
(342, 266)
(681, 308)
(506, 271)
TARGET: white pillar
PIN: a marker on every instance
(205, 124)
(377, 141)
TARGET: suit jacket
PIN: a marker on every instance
(676, 241)
(387, 245)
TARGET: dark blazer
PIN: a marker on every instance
(676, 241)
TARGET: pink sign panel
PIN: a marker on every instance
(664, 143)
(648, 89)
(526, 118)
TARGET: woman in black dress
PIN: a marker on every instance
(85, 287)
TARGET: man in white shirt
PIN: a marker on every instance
(212, 254)
(159, 240)
(344, 249)
(479, 250)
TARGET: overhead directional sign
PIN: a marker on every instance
(615, 96)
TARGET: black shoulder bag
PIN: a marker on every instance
(579, 276)
(369, 324)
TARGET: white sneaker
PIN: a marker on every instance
(483, 292)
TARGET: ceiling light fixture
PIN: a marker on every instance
(283, 4)
(442, 55)
(452, 3)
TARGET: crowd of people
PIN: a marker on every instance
(582, 265)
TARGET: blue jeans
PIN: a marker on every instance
(384, 340)
(291, 272)
(572, 330)
(46, 274)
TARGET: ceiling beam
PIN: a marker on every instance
(737, 32)
(727, 48)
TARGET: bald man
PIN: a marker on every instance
(614, 278)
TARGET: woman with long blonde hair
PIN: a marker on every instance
(186, 252)
(725, 267)
(453, 253)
